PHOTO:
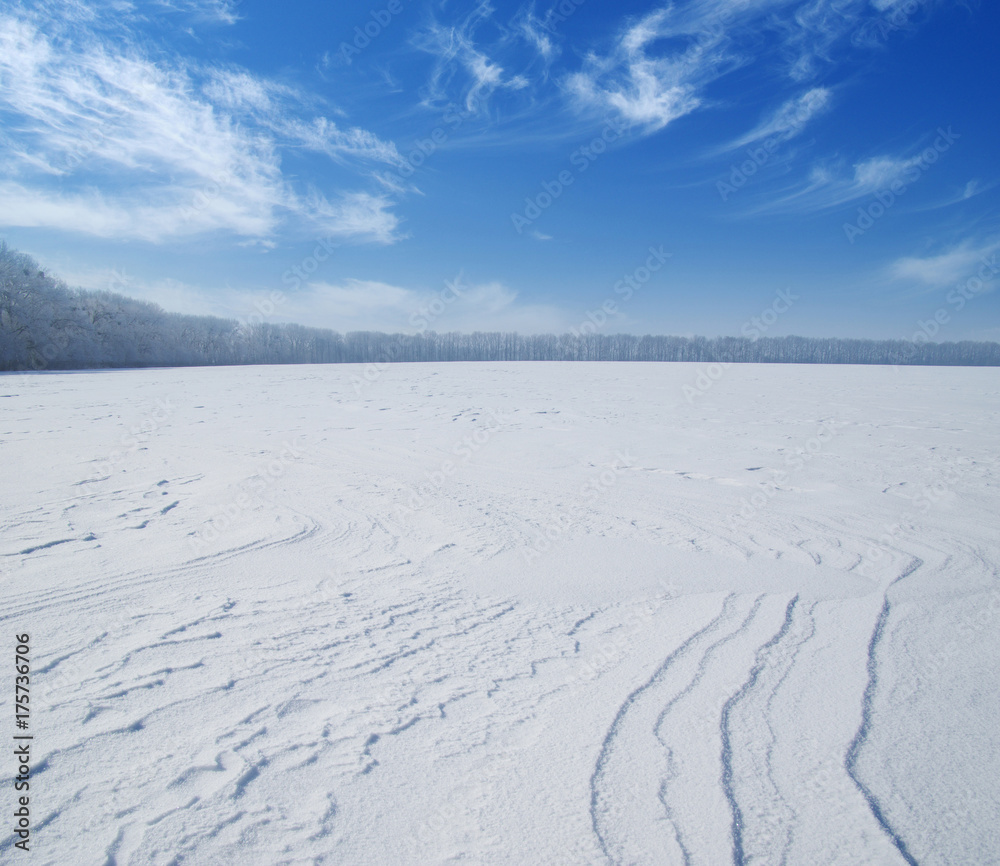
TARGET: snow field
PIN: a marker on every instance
(524, 613)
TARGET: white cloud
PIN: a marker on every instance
(973, 188)
(454, 50)
(365, 305)
(533, 30)
(93, 213)
(358, 215)
(237, 89)
(323, 136)
(789, 120)
(833, 185)
(464, 71)
(219, 11)
(879, 173)
(969, 190)
(270, 105)
(347, 305)
(170, 294)
(157, 150)
(354, 300)
(816, 29)
(891, 17)
(658, 66)
(957, 264)
(645, 90)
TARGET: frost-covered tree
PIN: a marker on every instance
(46, 325)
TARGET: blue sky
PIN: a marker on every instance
(344, 164)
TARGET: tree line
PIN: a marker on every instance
(46, 325)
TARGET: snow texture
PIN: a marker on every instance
(532, 613)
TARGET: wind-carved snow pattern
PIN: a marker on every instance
(858, 743)
(298, 623)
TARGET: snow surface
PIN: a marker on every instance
(271, 623)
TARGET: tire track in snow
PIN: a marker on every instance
(857, 744)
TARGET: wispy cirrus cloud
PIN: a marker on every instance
(161, 149)
(833, 184)
(355, 215)
(890, 17)
(535, 31)
(96, 213)
(955, 264)
(658, 67)
(362, 305)
(219, 11)
(359, 217)
(464, 69)
(789, 120)
(273, 106)
(650, 71)
(645, 89)
(354, 304)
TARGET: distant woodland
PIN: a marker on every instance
(46, 325)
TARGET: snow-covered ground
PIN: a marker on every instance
(510, 614)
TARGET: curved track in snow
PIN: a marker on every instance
(339, 652)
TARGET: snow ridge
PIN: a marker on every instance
(850, 762)
(739, 857)
(613, 731)
(695, 680)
